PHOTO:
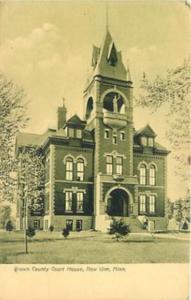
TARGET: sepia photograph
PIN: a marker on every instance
(95, 133)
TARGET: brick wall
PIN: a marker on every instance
(59, 222)
(159, 187)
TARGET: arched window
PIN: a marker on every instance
(80, 169)
(152, 175)
(69, 168)
(89, 107)
(143, 174)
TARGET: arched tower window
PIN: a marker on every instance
(89, 107)
(80, 169)
(69, 168)
(143, 174)
(152, 175)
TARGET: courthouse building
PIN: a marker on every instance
(100, 167)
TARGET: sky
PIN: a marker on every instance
(45, 47)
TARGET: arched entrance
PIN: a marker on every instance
(118, 201)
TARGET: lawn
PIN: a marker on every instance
(91, 248)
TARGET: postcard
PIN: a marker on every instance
(95, 149)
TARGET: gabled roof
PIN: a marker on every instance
(75, 121)
(25, 139)
(107, 61)
(145, 131)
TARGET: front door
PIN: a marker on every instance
(118, 203)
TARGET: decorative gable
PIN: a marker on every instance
(75, 121)
(146, 131)
(112, 55)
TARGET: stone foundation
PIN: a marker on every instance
(59, 222)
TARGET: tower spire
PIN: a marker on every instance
(107, 19)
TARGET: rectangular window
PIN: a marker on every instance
(109, 164)
(152, 204)
(69, 224)
(66, 131)
(78, 225)
(37, 224)
(106, 134)
(78, 133)
(122, 136)
(69, 170)
(68, 201)
(114, 139)
(144, 141)
(119, 165)
(142, 203)
(71, 132)
(80, 201)
(150, 142)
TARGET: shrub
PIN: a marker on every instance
(31, 232)
(119, 228)
(9, 226)
(185, 226)
(51, 228)
(65, 232)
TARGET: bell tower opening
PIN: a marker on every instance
(113, 102)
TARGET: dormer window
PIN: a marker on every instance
(78, 133)
(144, 141)
(150, 142)
(71, 132)
(112, 55)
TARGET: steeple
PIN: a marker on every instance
(107, 60)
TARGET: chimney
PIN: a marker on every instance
(61, 115)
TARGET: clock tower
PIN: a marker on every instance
(108, 111)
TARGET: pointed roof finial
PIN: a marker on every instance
(63, 101)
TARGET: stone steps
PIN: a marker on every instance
(134, 224)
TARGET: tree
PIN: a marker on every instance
(31, 176)
(65, 232)
(170, 208)
(173, 91)
(51, 228)
(9, 226)
(5, 214)
(12, 118)
(119, 228)
(31, 232)
(181, 208)
(178, 204)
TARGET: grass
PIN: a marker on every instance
(91, 248)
